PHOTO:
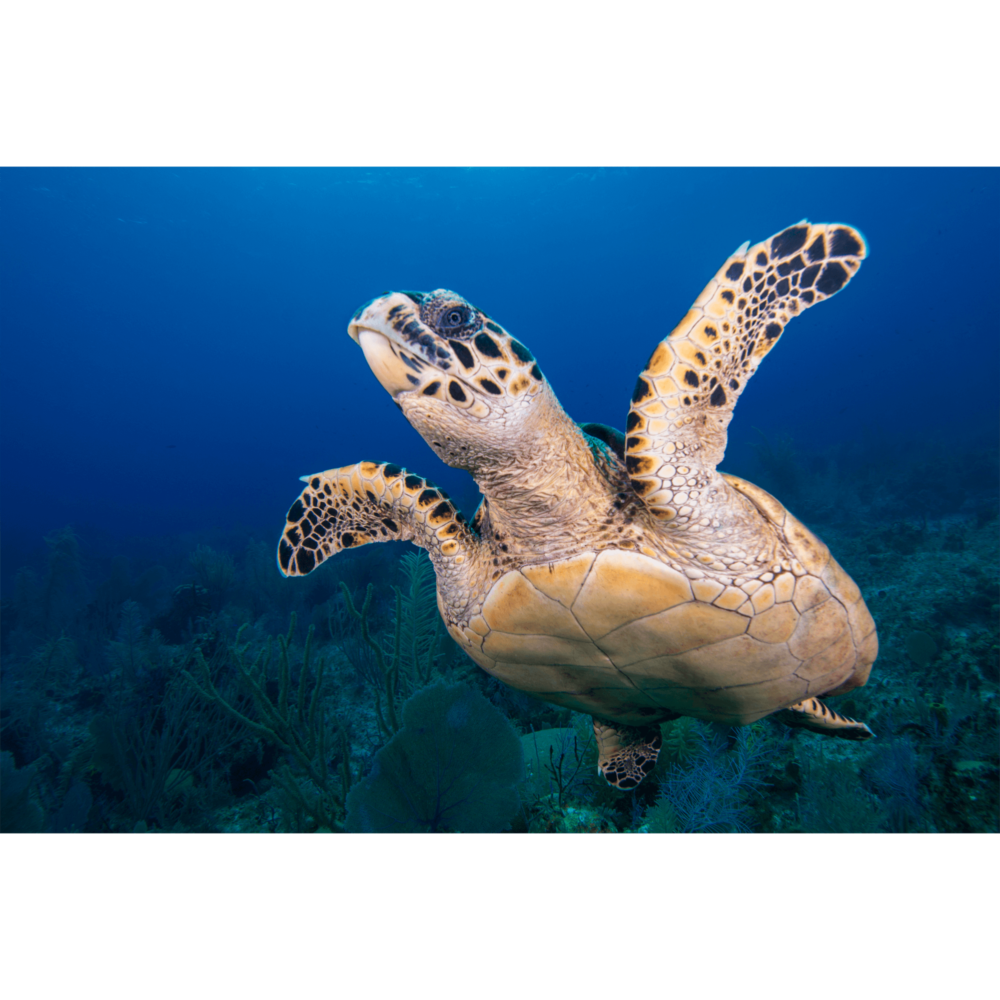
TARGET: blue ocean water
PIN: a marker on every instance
(175, 355)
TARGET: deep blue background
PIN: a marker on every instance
(175, 351)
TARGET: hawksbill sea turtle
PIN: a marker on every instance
(621, 575)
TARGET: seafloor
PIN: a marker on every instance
(182, 685)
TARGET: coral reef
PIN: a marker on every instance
(183, 684)
(453, 766)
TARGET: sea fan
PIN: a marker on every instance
(419, 621)
(712, 794)
(455, 765)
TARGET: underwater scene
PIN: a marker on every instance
(595, 605)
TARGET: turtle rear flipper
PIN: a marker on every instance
(370, 502)
(626, 754)
(684, 399)
(811, 713)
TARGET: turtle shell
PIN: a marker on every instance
(629, 638)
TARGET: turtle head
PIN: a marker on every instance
(468, 387)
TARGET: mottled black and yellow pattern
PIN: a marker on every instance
(684, 399)
(368, 502)
(628, 579)
(626, 754)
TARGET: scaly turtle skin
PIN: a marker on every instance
(621, 576)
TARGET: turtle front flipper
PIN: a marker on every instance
(370, 502)
(683, 401)
(626, 754)
(811, 713)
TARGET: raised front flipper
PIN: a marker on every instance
(684, 400)
(812, 714)
(626, 754)
(370, 502)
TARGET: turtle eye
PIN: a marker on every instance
(450, 315)
(457, 316)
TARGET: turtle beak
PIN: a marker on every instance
(388, 310)
(374, 327)
(385, 363)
